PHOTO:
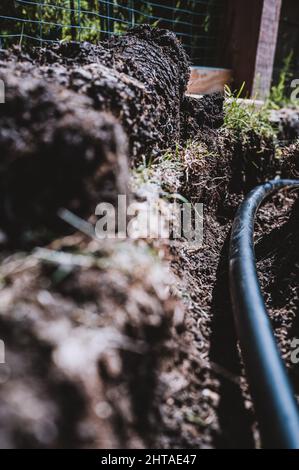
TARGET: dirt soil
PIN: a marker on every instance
(208, 404)
(140, 77)
(128, 344)
(57, 124)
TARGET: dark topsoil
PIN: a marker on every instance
(69, 112)
(212, 403)
(97, 351)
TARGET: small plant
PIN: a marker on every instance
(278, 97)
(243, 119)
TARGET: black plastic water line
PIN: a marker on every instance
(273, 396)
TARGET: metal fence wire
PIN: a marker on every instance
(196, 22)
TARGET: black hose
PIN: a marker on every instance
(272, 393)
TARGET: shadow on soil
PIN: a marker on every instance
(234, 419)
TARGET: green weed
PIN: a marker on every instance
(245, 118)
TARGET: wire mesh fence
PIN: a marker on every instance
(196, 22)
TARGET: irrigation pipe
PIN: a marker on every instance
(273, 396)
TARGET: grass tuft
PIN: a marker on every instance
(245, 119)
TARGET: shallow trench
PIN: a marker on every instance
(159, 380)
(210, 405)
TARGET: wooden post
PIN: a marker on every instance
(239, 41)
(73, 20)
(266, 48)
